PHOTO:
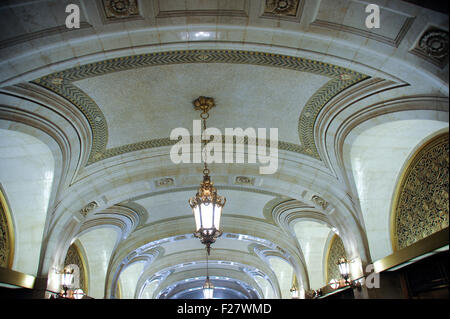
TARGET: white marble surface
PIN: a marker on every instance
(129, 278)
(377, 156)
(149, 289)
(284, 272)
(26, 174)
(266, 287)
(98, 244)
(312, 237)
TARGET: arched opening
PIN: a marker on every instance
(377, 157)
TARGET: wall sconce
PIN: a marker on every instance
(294, 292)
(344, 268)
(67, 281)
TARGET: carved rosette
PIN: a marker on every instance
(435, 43)
(421, 205)
(432, 46)
(281, 7)
(120, 8)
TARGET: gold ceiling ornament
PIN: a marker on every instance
(206, 204)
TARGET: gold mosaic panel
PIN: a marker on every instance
(74, 257)
(421, 201)
(6, 235)
(336, 250)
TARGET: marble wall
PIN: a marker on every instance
(312, 237)
(98, 245)
(26, 175)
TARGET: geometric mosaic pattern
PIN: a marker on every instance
(62, 84)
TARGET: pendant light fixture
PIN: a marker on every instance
(208, 287)
(206, 204)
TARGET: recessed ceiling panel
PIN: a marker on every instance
(147, 103)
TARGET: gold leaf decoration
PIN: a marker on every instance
(6, 234)
(336, 250)
(421, 203)
(73, 257)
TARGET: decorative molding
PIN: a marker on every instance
(290, 10)
(88, 208)
(201, 12)
(27, 37)
(319, 201)
(366, 33)
(62, 84)
(432, 46)
(164, 182)
(421, 204)
(119, 10)
(244, 180)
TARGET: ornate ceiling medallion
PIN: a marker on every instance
(120, 8)
(281, 7)
(435, 43)
(432, 46)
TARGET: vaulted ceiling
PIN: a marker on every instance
(99, 103)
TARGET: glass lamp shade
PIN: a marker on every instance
(344, 267)
(207, 208)
(294, 293)
(67, 278)
(208, 289)
(207, 217)
(78, 293)
(334, 284)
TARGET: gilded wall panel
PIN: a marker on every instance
(336, 250)
(420, 206)
(74, 257)
(6, 235)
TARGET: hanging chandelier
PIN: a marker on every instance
(208, 287)
(206, 204)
